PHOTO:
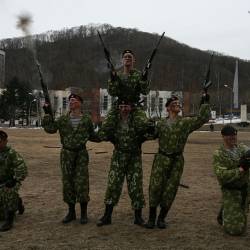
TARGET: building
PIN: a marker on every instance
(153, 103)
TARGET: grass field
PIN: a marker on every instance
(192, 219)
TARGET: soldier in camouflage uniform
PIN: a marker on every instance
(75, 129)
(127, 86)
(127, 137)
(168, 162)
(232, 171)
(13, 170)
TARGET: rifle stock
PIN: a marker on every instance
(45, 90)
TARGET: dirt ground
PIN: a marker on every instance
(192, 219)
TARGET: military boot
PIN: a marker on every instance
(20, 206)
(71, 215)
(152, 217)
(161, 218)
(138, 218)
(8, 224)
(84, 219)
(106, 218)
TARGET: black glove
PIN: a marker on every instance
(205, 98)
(46, 109)
(113, 76)
(245, 161)
(10, 183)
(151, 127)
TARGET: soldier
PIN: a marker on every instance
(13, 170)
(75, 129)
(232, 170)
(127, 86)
(168, 162)
(127, 137)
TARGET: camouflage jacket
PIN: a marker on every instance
(173, 137)
(126, 136)
(12, 165)
(74, 139)
(128, 87)
(226, 167)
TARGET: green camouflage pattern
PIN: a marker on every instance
(168, 163)
(74, 156)
(126, 161)
(233, 183)
(128, 87)
(12, 165)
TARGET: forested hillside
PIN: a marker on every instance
(75, 57)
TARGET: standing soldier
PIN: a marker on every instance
(13, 170)
(168, 162)
(75, 129)
(231, 166)
(127, 138)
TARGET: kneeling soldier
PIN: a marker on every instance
(13, 170)
(231, 166)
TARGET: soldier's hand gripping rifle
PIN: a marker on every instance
(107, 54)
(207, 83)
(47, 106)
(149, 61)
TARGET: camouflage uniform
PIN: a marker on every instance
(234, 185)
(74, 156)
(12, 166)
(127, 138)
(128, 89)
(168, 162)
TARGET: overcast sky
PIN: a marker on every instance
(219, 25)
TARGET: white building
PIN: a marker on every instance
(153, 103)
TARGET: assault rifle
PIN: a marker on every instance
(107, 54)
(207, 82)
(45, 91)
(149, 61)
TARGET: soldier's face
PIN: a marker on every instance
(74, 103)
(128, 59)
(3, 143)
(230, 140)
(174, 107)
(125, 109)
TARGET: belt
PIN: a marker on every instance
(170, 155)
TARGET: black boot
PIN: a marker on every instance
(20, 206)
(138, 218)
(219, 216)
(71, 215)
(152, 217)
(84, 219)
(106, 218)
(161, 218)
(8, 224)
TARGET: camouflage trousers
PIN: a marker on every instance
(129, 165)
(9, 198)
(234, 212)
(164, 180)
(75, 176)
